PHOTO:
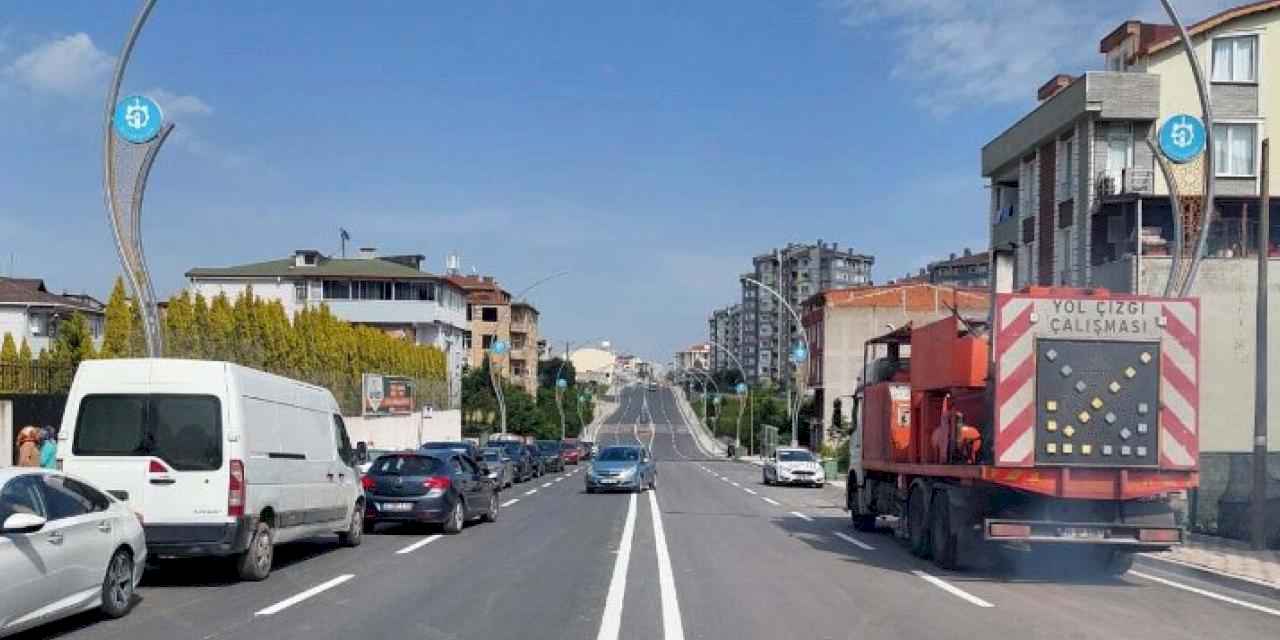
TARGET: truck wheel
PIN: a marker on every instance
(918, 523)
(942, 541)
(1111, 562)
(864, 522)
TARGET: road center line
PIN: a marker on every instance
(510, 502)
(530, 492)
(1205, 593)
(672, 625)
(801, 516)
(545, 485)
(309, 593)
(771, 501)
(418, 545)
(611, 619)
(750, 491)
(736, 484)
(854, 541)
(953, 590)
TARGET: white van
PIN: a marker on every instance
(216, 458)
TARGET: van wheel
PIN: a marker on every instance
(255, 563)
(354, 534)
(492, 514)
(456, 519)
(117, 586)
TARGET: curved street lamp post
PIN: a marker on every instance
(498, 348)
(740, 389)
(799, 354)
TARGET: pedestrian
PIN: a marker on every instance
(49, 448)
(29, 446)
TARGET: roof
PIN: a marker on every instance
(332, 267)
(983, 258)
(31, 291)
(913, 297)
(1215, 21)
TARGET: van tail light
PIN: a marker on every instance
(436, 486)
(157, 467)
(235, 490)
(367, 483)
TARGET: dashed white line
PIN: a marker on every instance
(611, 619)
(771, 501)
(309, 593)
(545, 485)
(750, 491)
(1205, 593)
(672, 625)
(854, 541)
(736, 484)
(510, 502)
(953, 590)
(559, 479)
(530, 492)
(418, 545)
(801, 516)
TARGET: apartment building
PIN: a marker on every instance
(697, 356)
(493, 315)
(391, 293)
(1077, 190)
(725, 330)
(796, 271)
(968, 270)
(30, 312)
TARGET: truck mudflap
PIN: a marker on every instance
(1140, 536)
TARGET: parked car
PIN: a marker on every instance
(365, 458)
(65, 547)
(442, 487)
(550, 452)
(570, 453)
(471, 449)
(218, 459)
(539, 464)
(501, 466)
(525, 464)
(627, 467)
(793, 466)
(588, 449)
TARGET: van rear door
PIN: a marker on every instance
(163, 450)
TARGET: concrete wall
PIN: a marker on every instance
(401, 432)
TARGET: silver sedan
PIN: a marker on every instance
(65, 547)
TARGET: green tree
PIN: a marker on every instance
(24, 352)
(547, 370)
(8, 350)
(201, 328)
(74, 343)
(221, 330)
(179, 327)
(117, 334)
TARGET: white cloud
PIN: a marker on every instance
(963, 53)
(69, 66)
(175, 105)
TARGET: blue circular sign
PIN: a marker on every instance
(562, 383)
(741, 388)
(499, 347)
(138, 119)
(800, 353)
(1182, 137)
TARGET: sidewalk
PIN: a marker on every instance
(701, 436)
(1222, 557)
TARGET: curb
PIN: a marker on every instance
(696, 428)
(1227, 580)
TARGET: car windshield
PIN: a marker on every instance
(795, 456)
(619, 454)
(402, 465)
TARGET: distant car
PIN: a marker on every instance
(442, 487)
(570, 453)
(539, 464)
(501, 467)
(550, 451)
(525, 466)
(462, 446)
(65, 547)
(588, 449)
(622, 467)
(793, 466)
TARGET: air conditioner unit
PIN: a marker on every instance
(1138, 180)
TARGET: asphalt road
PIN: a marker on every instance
(711, 554)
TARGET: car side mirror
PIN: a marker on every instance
(23, 523)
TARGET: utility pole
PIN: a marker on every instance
(1258, 521)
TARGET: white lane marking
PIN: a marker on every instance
(750, 491)
(611, 619)
(545, 485)
(559, 479)
(801, 516)
(953, 590)
(736, 484)
(854, 541)
(530, 492)
(313, 591)
(510, 502)
(1207, 594)
(771, 501)
(418, 545)
(672, 626)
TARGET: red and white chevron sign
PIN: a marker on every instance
(1023, 318)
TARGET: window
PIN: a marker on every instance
(66, 498)
(184, 431)
(337, 290)
(455, 465)
(466, 340)
(486, 342)
(1068, 166)
(397, 465)
(1234, 59)
(343, 442)
(1119, 151)
(1233, 149)
(488, 314)
(300, 292)
(39, 324)
(21, 495)
(309, 259)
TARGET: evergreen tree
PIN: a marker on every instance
(117, 340)
(221, 330)
(201, 328)
(24, 352)
(74, 343)
(179, 327)
(8, 351)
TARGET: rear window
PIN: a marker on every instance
(406, 466)
(184, 431)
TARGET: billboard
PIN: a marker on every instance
(385, 395)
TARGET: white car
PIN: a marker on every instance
(65, 547)
(793, 466)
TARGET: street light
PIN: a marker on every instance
(559, 380)
(498, 348)
(742, 386)
(799, 354)
(520, 296)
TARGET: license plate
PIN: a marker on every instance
(1081, 532)
(396, 506)
(608, 481)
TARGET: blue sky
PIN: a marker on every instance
(650, 148)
